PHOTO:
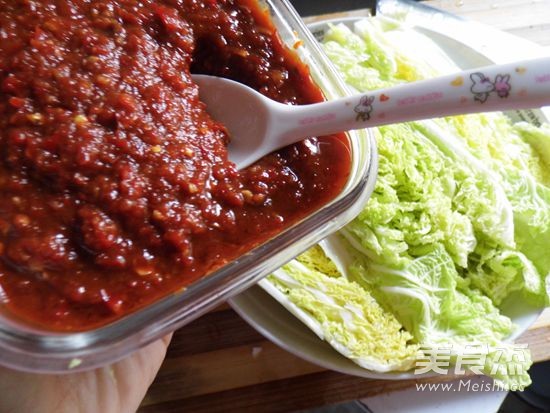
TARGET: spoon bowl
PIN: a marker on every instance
(246, 114)
(258, 125)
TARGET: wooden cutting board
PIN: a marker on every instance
(220, 364)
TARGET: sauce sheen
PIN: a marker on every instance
(115, 186)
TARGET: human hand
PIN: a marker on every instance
(118, 388)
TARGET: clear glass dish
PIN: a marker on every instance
(27, 348)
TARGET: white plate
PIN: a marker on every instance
(278, 325)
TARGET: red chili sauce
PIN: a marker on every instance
(115, 187)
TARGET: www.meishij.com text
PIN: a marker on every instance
(467, 385)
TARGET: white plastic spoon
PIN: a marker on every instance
(258, 125)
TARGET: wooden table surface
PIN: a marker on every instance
(218, 363)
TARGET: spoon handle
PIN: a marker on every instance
(518, 85)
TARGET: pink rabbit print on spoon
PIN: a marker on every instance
(482, 86)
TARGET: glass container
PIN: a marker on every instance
(27, 348)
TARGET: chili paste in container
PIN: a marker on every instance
(115, 185)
